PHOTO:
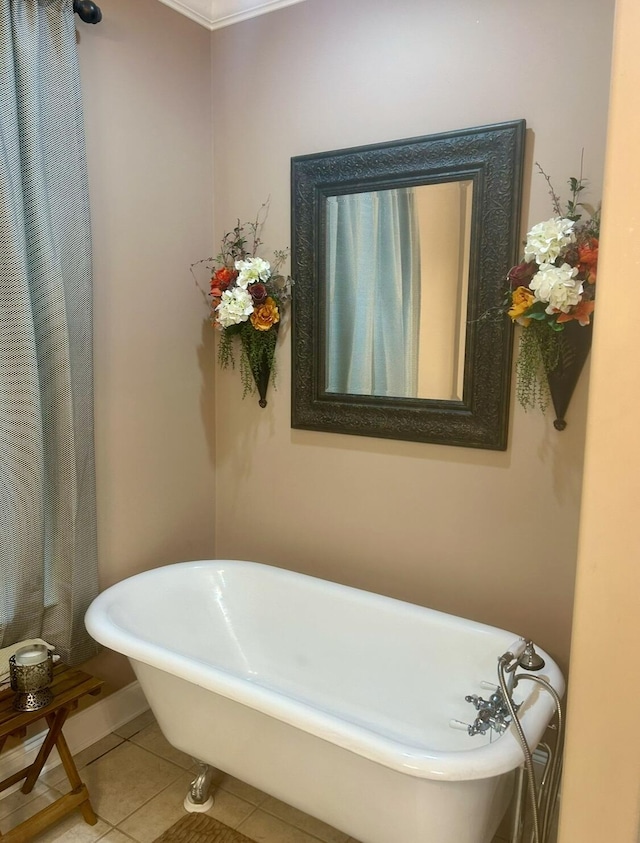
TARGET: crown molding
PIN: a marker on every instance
(214, 14)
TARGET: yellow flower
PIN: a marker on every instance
(521, 300)
(265, 315)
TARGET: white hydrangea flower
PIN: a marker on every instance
(546, 240)
(564, 297)
(558, 286)
(236, 306)
(252, 270)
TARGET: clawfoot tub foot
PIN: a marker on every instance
(199, 798)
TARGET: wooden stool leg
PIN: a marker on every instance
(55, 725)
(68, 763)
(88, 814)
(74, 778)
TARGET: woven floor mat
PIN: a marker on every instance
(199, 828)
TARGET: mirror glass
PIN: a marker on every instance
(396, 281)
(399, 253)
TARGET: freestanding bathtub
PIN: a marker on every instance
(332, 699)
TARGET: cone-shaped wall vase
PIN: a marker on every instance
(563, 379)
(262, 370)
(261, 377)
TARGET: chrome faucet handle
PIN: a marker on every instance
(478, 702)
(492, 714)
(478, 728)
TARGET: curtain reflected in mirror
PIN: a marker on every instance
(373, 293)
(397, 277)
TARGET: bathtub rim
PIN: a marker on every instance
(501, 756)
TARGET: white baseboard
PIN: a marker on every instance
(81, 730)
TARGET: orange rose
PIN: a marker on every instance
(588, 259)
(221, 279)
(265, 316)
(521, 301)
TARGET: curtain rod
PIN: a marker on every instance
(88, 11)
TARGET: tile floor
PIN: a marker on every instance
(137, 783)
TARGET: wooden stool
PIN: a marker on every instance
(69, 685)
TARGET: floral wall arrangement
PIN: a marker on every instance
(247, 298)
(551, 293)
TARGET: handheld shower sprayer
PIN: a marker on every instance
(523, 654)
(509, 662)
(530, 660)
(513, 654)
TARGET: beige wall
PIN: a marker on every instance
(147, 91)
(488, 535)
(601, 793)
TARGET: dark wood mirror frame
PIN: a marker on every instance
(492, 158)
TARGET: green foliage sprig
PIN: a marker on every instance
(538, 353)
(257, 349)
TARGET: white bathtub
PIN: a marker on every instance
(334, 700)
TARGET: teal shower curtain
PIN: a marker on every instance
(373, 293)
(48, 564)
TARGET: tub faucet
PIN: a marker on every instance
(492, 714)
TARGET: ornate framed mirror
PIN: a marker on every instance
(399, 253)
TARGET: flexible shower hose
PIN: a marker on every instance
(552, 786)
(554, 779)
(503, 662)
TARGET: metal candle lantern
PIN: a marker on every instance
(31, 674)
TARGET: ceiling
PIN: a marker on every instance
(215, 14)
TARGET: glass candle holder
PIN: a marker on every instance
(31, 675)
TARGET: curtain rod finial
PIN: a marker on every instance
(87, 10)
